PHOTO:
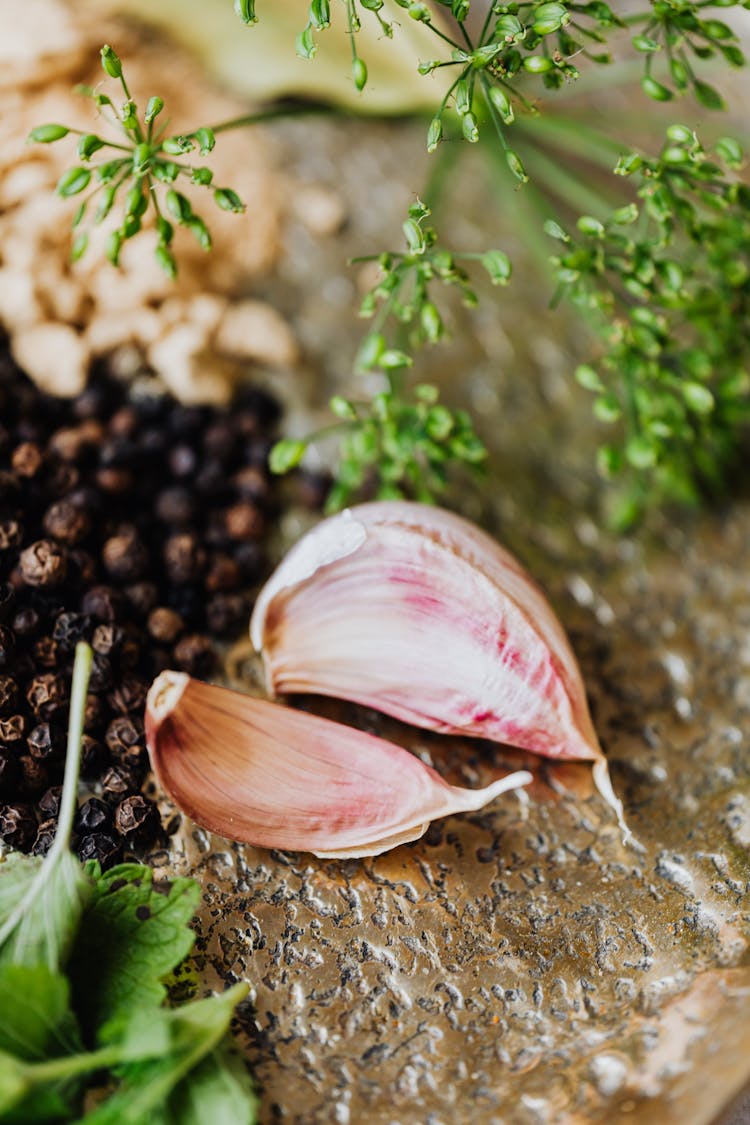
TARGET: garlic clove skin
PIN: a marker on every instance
(414, 611)
(264, 774)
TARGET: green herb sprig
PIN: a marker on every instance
(83, 961)
(668, 281)
(393, 445)
(142, 173)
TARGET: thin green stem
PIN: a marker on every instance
(271, 114)
(57, 1070)
(441, 35)
(493, 113)
(69, 799)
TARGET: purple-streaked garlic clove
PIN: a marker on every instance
(416, 612)
(265, 774)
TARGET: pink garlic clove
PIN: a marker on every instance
(264, 774)
(416, 612)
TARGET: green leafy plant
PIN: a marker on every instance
(83, 961)
(672, 375)
(142, 173)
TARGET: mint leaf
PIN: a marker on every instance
(41, 904)
(219, 1090)
(132, 935)
(38, 1022)
(196, 1030)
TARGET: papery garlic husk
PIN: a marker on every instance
(416, 612)
(265, 774)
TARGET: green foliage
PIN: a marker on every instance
(133, 171)
(391, 444)
(668, 280)
(83, 958)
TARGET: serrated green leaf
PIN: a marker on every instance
(132, 935)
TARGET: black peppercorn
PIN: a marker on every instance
(142, 596)
(27, 459)
(93, 756)
(136, 817)
(225, 613)
(182, 460)
(92, 815)
(7, 600)
(195, 654)
(125, 741)
(49, 802)
(11, 534)
(107, 639)
(8, 694)
(34, 776)
(129, 695)
(223, 574)
(174, 506)
(95, 713)
(9, 772)
(26, 621)
(101, 678)
(69, 629)
(184, 558)
(103, 603)
(66, 522)
(244, 520)
(99, 846)
(165, 625)
(44, 563)
(45, 652)
(45, 837)
(45, 742)
(124, 555)
(7, 646)
(18, 826)
(119, 781)
(47, 695)
(12, 729)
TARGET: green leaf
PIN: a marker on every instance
(195, 1030)
(655, 90)
(285, 455)
(708, 96)
(42, 1023)
(219, 1090)
(131, 936)
(41, 903)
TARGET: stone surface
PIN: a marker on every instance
(517, 966)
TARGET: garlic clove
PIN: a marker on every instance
(416, 612)
(265, 774)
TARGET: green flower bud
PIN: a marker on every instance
(104, 207)
(165, 171)
(587, 224)
(730, 151)
(206, 140)
(202, 176)
(509, 28)
(112, 247)
(369, 352)
(245, 9)
(201, 232)
(178, 206)
(392, 359)
(46, 134)
(431, 321)
(135, 201)
(73, 181)
(419, 12)
(342, 408)
(641, 453)
(549, 18)
(359, 73)
(498, 266)
(165, 230)
(698, 398)
(515, 164)
(111, 62)
(141, 159)
(154, 107)
(502, 104)
(228, 200)
(588, 378)
(645, 44)
(537, 64)
(554, 230)
(166, 260)
(286, 455)
(462, 97)
(320, 14)
(131, 226)
(434, 134)
(414, 236)
(460, 9)
(655, 90)
(129, 115)
(305, 44)
(607, 408)
(470, 128)
(176, 146)
(708, 96)
(78, 249)
(628, 164)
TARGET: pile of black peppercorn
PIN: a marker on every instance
(137, 524)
